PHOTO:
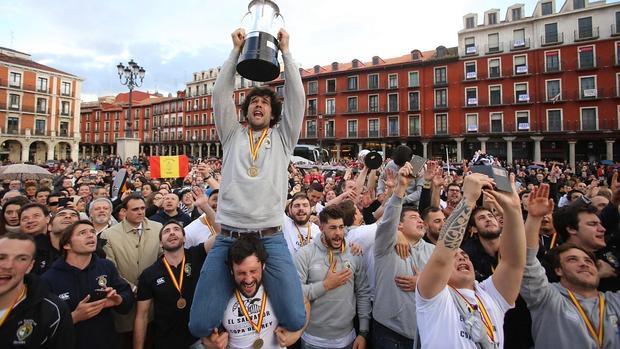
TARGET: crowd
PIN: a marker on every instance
(251, 251)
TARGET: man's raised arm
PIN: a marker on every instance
(294, 96)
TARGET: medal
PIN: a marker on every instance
(253, 171)
(181, 303)
(304, 241)
(257, 344)
(597, 335)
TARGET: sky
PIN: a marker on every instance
(173, 39)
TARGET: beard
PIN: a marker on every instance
(575, 280)
(301, 222)
(173, 248)
(489, 235)
(242, 290)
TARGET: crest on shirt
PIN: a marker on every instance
(24, 330)
(188, 269)
(64, 296)
(612, 259)
(267, 143)
(42, 264)
(102, 281)
(251, 305)
(160, 281)
(347, 264)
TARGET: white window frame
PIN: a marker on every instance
(475, 70)
(435, 75)
(326, 108)
(489, 67)
(617, 84)
(595, 107)
(467, 130)
(491, 124)
(21, 99)
(316, 84)
(36, 84)
(514, 66)
(21, 78)
(594, 62)
(409, 99)
(368, 81)
(529, 120)
(409, 78)
(475, 88)
(316, 106)
(389, 78)
(559, 54)
(527, 89)
(447, 123)
(616, 49)
(397, 125)
(357, 84)
(378, 127)
(357, 104)
(333, 122)
(316, 130)
(327, 85)
(435, 97)
(501, 94)
(397, 102)
(579, 78)
(62, 84)
(378, 103)
(419, 116)
(357, 128)
(547, 90)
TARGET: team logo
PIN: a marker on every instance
(267, 142)
(25, 330)
(188, 269)
(160, 281)
(64, 296)
(612, 259)
(102, 281)
(347, 264)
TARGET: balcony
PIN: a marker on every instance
(559, 98)
(471, 50)
(440, 107)
(516, 45)
(615, 31)
(440, 83)
(586, 64)
(522, 98)
(552, 39)
(583, 35)
(521, 70)
(414, 107)
(12, 131)
(39, 132)
(491, 49)
(471, 76)
(590, 94)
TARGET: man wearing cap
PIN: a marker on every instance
(48, 245)
(253, 190)
(170, 211)
(168, 285)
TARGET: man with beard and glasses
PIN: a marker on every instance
(335, 283)
(90, 286)
(249, 319)
(168, 285)
(571, 313)
(48, 245)
(298, 230)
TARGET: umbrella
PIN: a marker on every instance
(534, 167)
(23, 172)
(607, 162)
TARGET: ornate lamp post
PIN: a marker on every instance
(131, 76)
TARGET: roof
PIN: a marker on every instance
(31, 64)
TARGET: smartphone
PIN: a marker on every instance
(62, 202)
(417, 163)
(499, 175)
(97, 295)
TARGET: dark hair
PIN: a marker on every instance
(453, 184)
(332, 212)
(132, 196)
(347, 210)
(22, 237)
(149, 184)
(30, 205)
(30, 184)
(568, 217)
(54, 194)
(555, 253)
(168, 222)
(570, 194)
(276, 105)
(213, 192)
(407, 209)
(316, 187)
(65, 236)
(63, 209)
(18, 200)
(429, 210)
(43, 190)
(472, 218)
(245, 246)
(299, 196)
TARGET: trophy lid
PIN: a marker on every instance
(373, 160)
(264, 2)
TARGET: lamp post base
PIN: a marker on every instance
(127, 147)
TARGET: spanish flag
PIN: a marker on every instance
(169, 166)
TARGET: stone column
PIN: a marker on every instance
(92, 151)
(177, 149)
(383, 146)
(483, 143)
(75, 151)
(571, 154)
(459, 148)
(509, 148)
(25, 152)
(50, 151)
(208, 149)
(191, 149)
(338, 151)
(610, 149)
(537, 140)
(425, 149)
(83, 152)
(200, 150)
(217, 149)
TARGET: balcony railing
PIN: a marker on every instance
(519, 44)
(495, 48)
(592, 93)
(548, 40)
(615, 31)
(586, 34)
(471, 50)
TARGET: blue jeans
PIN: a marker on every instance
(215, 287)
(385, 338)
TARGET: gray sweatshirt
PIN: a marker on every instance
(332, 312)
(556, 323)
(394, 308)
(255, 202)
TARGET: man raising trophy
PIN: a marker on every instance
(254, 185)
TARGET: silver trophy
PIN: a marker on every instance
(259, 58)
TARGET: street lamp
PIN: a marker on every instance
(131, 76)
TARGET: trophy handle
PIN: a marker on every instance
(243, 24)
(282, 20)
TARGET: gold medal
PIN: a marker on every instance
(258, 344)
(181, 303)
(178, 284)
(253, 171)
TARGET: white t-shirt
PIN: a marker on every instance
(241, 334)
(441, 326)
(291, 233)
(197, 232)
(364, 235)
(318, 208)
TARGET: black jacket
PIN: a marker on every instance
(41, 320)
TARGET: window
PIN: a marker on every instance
(373, 81)
(64, 108)
(497, 122)
(551, 34)
(578, 4)
(471, 96)
(495, 95)
(441, 124)
(587, 87)
(393, 81)
(352, 129)
(589, 120)
(373, 128)
(617, 84)
(441, 75)
(312, 107)
(552, 61)
(352, 83)
(106, 126)
(414, 100)
(618, 52)
(493, 43)
(414, 79)
(311, 129)
(106, 116)
(42, 84)
(494, 68)
(521, 95)
(14, 102)
(331, 86)
(441, 98)
(470, 46)
(313, 87)
(87, 127)
(492, 18)
(15, 79)
(393, 126)
(470, 71)
(330, 106)
(352, 104)
(546, 8)
(39, 127)
(585, 27)
(586, 57)
(616, 29)
(523, 121)
(554, 120)
(392, 102)
(553, 90)
(516, 14)
(469, 23)
(471, 120)
(520, 64)
(414, 125)
(518, 38)
(373, 103)
(117, 126)
(64, 129)
(65, 88)
(41, 105)
(330, 129)
(13, 125)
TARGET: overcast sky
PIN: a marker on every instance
(173, 39)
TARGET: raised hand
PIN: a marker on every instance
(538, 203)
(238, 37)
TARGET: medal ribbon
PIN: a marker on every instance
(205, 221)
(486, 319)
(302, 241)
(177, 284)
(596, 335)
(254, 147)
(257, 326)
(10, 308)
(554, 238)
(331, 256)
